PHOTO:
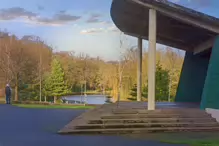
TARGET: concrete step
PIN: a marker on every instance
(154, 120)
(135, 111)
(139, 130)
(163, 113)
(143, 125)
(157, 110)
(135, 116)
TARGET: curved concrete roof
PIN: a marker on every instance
(177, 26)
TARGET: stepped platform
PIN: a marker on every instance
(133, 117)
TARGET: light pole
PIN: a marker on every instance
(1, 36)
(40, 66)
(85, 92)
(40, 74)
(81, 91)
(85, 80)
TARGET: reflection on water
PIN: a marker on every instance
(89, 99)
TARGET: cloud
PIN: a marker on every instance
(62, 11)
(15, 12)
(94, 18)
(92, 30)
(113, 28)
(58, 19)
(40, 7)
(106, 22)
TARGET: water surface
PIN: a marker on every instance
(89, 99)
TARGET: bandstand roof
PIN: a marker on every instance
(177, 26)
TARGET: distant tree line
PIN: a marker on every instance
(37, 73)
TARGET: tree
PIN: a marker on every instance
(133, 93)
(122, 64)
(55, 84)
(26, 62)
(174, 63)
(162, 84)
(19, 65)
(42, 55)
(47, 88)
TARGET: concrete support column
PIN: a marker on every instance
(139, 70)
(152, 58)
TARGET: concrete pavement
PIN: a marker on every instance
(38, 127)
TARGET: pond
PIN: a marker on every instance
(90, 99)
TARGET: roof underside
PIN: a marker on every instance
(177, 26)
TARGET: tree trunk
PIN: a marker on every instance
(115, 91)
(55, 98)
(170, 86)
(119, 90)
(16, 89)
(45, 99)
(104, 91)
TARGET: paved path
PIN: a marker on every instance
(38, 127)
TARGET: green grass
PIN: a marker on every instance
(53, 106)
(192, 139)
(195, 142)
(182, 138)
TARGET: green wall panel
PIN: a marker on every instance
(210, 96)
(192, 78)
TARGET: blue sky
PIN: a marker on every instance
(76, 25)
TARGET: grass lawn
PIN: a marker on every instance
(53, 106)
(185, 138)
(193, 138)
(209, 142)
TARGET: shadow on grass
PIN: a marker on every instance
(186, 138)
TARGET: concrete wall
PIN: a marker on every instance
(214, 113)
(192, 78)
(210, 96)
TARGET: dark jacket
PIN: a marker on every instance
(7, 91)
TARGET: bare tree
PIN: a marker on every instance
(85, 72)
(5, 57)
(122, 63)
(172, 62)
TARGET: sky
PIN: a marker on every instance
(77, 25)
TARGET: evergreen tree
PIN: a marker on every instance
(47, 88)
(145, 91)
(162, 84)
(133, 92)
(55, 85)
(29, 92)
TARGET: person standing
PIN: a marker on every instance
(8, 94)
